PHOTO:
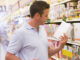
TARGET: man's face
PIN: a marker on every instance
(44, 17)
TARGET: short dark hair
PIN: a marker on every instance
(38, 7)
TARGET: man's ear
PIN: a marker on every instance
(37, 16)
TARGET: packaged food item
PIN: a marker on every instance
(69, 52)
(75, 53)
(63, 28)
(76, 32)
(79, 52)
(64, 52)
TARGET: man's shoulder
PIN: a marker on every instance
(19, 31)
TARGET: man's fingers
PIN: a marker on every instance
(64, 39)
(65, 36)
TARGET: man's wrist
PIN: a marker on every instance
(60, 47)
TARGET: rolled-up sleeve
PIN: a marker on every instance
(15, 44)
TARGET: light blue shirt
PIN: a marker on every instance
(29, 44)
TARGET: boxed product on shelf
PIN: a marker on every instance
(79, 52)
(52, 13)
(65, 10)
(78, 6)
(50, 29)
(57, 12)
(62, 10)
(75, 53)
(64, 52)
(69, 52)
(77, 12)
(72, 3)
(63, 28)
(54, 27)
(73, 13)
(76, 32)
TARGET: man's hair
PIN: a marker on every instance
(38, 7)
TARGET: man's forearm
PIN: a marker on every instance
(51, 52)
(10, 56)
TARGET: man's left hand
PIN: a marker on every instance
(63, 41)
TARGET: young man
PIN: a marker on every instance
(30, 42)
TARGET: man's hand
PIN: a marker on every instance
(63, 41)
(10, 56)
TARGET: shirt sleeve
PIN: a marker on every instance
(15, 44)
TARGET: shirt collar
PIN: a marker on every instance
(28, 26)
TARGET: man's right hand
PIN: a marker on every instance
(10, 56)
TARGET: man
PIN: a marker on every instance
(30, 42)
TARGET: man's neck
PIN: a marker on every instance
(34, 24)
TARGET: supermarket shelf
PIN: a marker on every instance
(68, 21)
(17, 11)
(69, 42)
(74, 21)
(74, 43)
(55, 22)
(56, 58)
(65, 1)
